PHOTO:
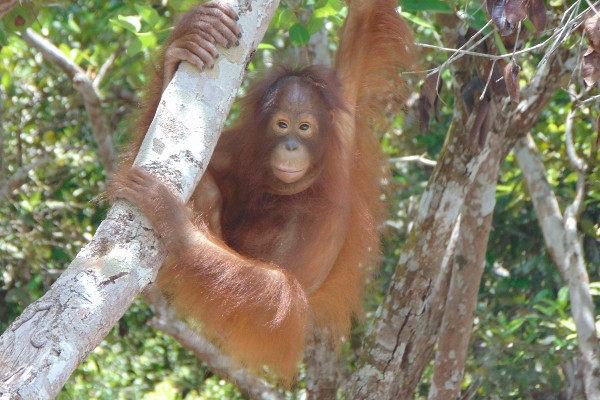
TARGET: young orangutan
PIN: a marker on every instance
(291, 200)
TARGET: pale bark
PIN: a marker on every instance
(323, 366)
(318, 49)
(40, 350)
(84, 85)
(400, 342)
(402, 337)
(467, 269)
(566, 250)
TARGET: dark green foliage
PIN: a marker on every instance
(523, 331)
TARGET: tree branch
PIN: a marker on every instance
(418, 159)
(104, 69)
(167, 321)
(84, 85)
(20, 175)
(7, 5)
(401, 340)
(564, 245)
(467, 269)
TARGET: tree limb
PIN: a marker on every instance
(20, 176)
(167, 321)
(467, 269)
(7, 5)
(84, 85)
(566, 250)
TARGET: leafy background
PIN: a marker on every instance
(523, 332)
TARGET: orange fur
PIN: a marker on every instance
(284, 262)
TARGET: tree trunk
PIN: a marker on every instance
(467, 269)
(566, 250)
(401, 340)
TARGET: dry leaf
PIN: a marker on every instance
(429, 100)
(590, 68)
(592, 28)
(536, 11)
(515, 11)
(507, 14)
(496, 83)
(512, 72)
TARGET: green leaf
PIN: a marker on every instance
(148, 14)
(336, 20)
(314, 25)
(514, 325)
(135, 46)
(569, 324)
(572, 177)
(417, 21)
(426, 5)
(332, 8)
(563, 297)
(74, 25)
(266, 46)
(3, 37)
(19, 18)
(299, 34)
(147, 40)
(286, 18)
(132, 23)
(5, 81)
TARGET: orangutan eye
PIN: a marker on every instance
(304, 127)
(282, 124)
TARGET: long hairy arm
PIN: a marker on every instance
(257, 312)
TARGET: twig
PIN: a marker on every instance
(20, 175)
(577, 163)
(571, 24)
(105, 67)
(590, 99)
(418, 159)
(487, 83)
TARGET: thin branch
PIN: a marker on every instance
(489, 79)
(590, 99)
(166, 320)
(42, 347)
(576, 162)
(458, 55)
(83, 85)
(556, 38)
(565, 248)
(104, 69)
(7, 5)
(21, 175)
(418, 159)
(573, 210)
(484, 55)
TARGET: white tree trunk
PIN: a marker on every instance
(467, 268)
(41, 349)
(566, 250)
